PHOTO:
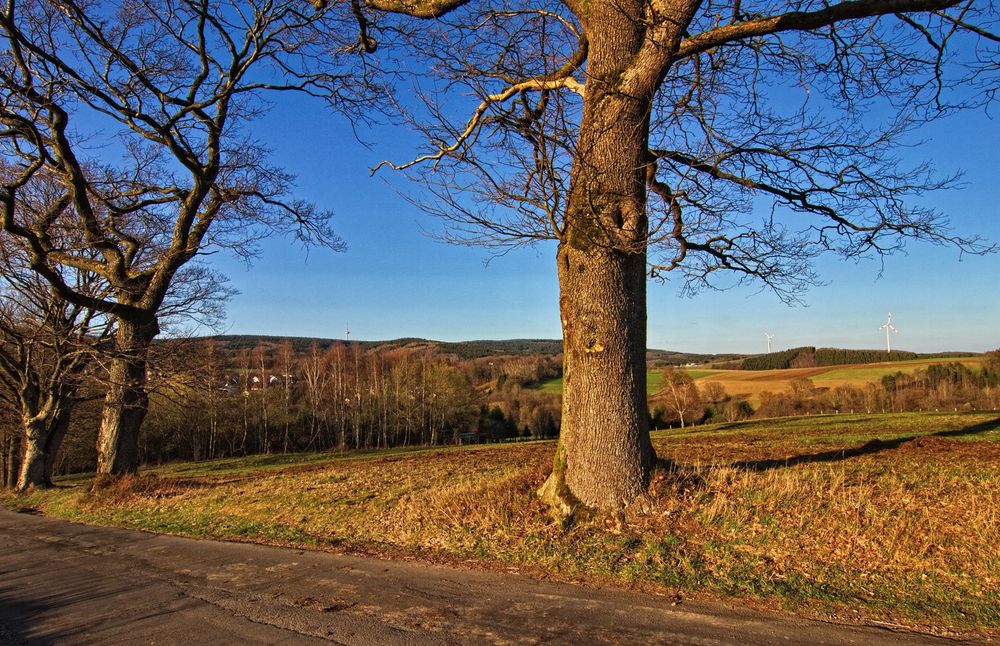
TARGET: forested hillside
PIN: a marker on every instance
(807, 357)
(464, 349)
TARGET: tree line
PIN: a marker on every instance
(209, 401)
(808, 357)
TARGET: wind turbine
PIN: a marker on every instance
(887, 326)
(770, 337)
(347, 331)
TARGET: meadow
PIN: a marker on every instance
(882, 518)
(654, 380)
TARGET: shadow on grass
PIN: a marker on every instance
(868, 448)
(767, 423)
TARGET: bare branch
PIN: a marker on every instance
(805, 21)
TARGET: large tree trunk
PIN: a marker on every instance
(126, 402)
(44, 430)
(42, 438)
(604, 456)
(32, 471)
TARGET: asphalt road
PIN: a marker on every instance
(64, 583)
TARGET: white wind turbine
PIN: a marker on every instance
(888, 326)
(347, 331)
(770, 337)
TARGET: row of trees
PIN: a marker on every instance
(57, 353)
(48, 358)
(276, 401)
(897, 393)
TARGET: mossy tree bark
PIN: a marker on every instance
(605, 454)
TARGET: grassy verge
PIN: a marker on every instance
(890, 518)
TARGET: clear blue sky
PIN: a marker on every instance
(395, 281)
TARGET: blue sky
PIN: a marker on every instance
(394, 280)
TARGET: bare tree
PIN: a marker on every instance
(213, 383)
(262, 362)
(315, 368)
(715, 392)
(47, 349)
(245, 372)
(679, 393)
(167, 87)
(675, 137)
(286, 366)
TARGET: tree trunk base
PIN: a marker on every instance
(567, 509)
(557, 497)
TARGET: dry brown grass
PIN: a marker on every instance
(891, 518)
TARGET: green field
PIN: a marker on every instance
(874, 372)
(861, 374)
(553, 386)
(873, 518)
(654, 380)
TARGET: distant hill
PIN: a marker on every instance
(803, 357)
(463, 349)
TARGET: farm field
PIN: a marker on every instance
(750, 384)
(887, 518)
(654, 380)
